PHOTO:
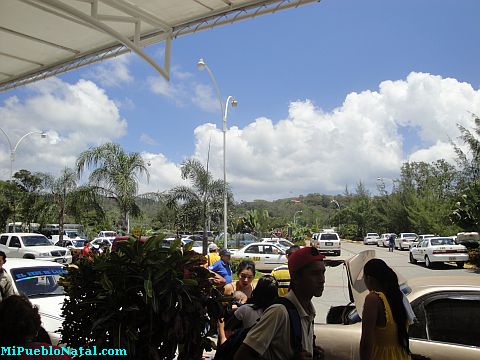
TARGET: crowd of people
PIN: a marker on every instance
(268, 325)
(275, 314)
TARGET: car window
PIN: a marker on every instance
(36, 240)
(454, 321)
(14, 242)
(38, 281)
(328, 237)
(253, 249)
(3, 240)
(446, 319)
(445, 241)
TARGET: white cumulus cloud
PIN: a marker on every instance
(317, 151)
(75, 117)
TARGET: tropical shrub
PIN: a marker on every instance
(474, 256)
(149, 300)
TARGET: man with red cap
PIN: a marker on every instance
(270, 338)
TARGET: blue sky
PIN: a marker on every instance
(330, 94)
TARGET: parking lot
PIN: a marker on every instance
(336, 288)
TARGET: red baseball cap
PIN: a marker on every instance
(303, 257)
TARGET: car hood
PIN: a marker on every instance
(46, 248)
(356, 286)
(50, 310)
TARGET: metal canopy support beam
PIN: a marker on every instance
(230, 13)
(95, 20)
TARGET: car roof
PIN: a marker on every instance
(21, 234)
(20, 263)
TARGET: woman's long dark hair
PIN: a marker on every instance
(388, 281)
(264, 293)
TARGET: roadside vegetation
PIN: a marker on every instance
(436, 197)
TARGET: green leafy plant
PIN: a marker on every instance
(150, 300)
(474, 256)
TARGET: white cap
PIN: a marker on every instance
(212, 247)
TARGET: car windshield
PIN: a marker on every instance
(445, 241)
(372, 234)
(78, 243)
(39, 281)
(36, 240)
(197, 243)
(409, 235)
(285, 243)
(328, 237)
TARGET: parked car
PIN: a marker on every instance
(107, 234)
(75, 246)
(326, 242)
(446, 307)
(471, 240)
(438, 249)
(280, 241)
(384, 239)
(371, 238)
(425, 236)
(39, 281)
(99, 242)
(33, 246)
(266, 256)
(405, 240)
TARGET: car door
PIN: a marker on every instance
(273, 256)
(14, 247)
(448, 325)
(421, 248)
(416, 251)
(256, 253)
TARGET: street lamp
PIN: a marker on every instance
(201, 65)
(13, 149)
(338, 206)
(294, 217)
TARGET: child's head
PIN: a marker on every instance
(239, 297)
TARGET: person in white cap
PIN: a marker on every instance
(212, 255)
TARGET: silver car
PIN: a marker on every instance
(447, 310)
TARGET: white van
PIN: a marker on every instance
(326, 242)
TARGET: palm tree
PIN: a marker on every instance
(115, 175)
(204, 197)
(66, 197)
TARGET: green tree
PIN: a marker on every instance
(65, 197)
(467, 210)
(200, 201)
(115, 175)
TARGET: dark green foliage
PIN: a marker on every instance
(474, 255)
(144, 298)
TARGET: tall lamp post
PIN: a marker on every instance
(294, 217)
(202, 65)
(338, 206)
(13, 149)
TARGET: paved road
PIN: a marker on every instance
(336, 290)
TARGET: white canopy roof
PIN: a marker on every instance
(41, 38)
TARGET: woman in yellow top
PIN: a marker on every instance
(385, 317)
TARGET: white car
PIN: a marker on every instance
(405, 240)
(107, 234)
(371, 238)
(33, 246)
(280, 241)
(383, 240)
(266, 256)
(38, 280)
(438, 249)
(326, 242)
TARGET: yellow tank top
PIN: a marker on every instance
(386, 346)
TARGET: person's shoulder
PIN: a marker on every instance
(373, 299)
